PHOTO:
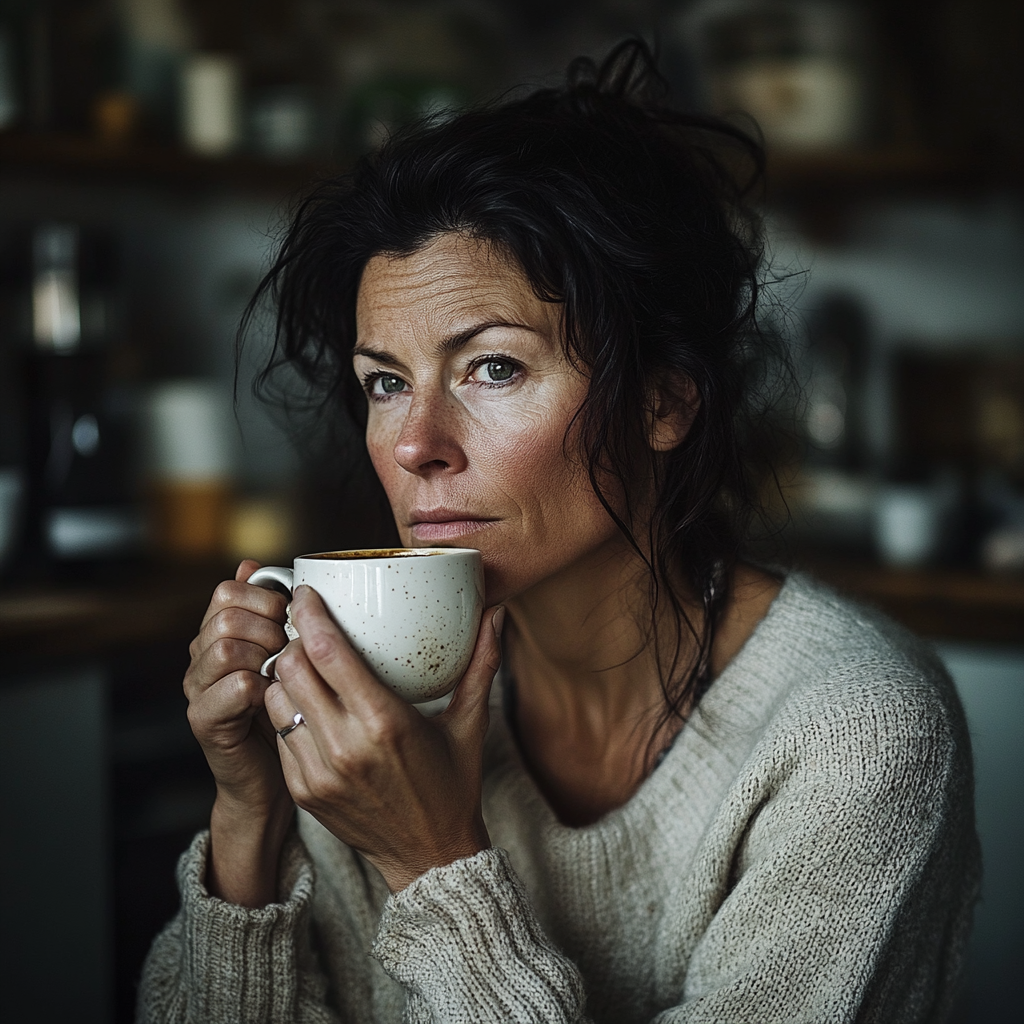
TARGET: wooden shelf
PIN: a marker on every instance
(943, 604)
(793, 177)
(66, 158)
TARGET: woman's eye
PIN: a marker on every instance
(495, 371)
(390, 385)
(499, 370)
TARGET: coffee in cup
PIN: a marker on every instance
(412, 614)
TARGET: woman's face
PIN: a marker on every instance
(470, 397)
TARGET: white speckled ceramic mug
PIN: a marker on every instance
(411, 613)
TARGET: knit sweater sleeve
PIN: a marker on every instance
(220, 962)
(465, 943)
(838, 880)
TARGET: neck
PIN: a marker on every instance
(587, 681)
(581, 653)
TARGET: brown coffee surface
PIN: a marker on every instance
(372, 553)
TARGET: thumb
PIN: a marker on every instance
(467, 711)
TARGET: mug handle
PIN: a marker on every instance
(284, 578)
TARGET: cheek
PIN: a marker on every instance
(522, 448)
(536, 469)
(380, 446)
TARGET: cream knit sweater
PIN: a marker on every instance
(805, 852)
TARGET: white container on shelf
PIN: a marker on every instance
(801, 68)
(211, 103)
(191, 433)
(191, 463)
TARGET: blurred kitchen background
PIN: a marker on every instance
(150, 151)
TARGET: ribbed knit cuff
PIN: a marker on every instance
(243, 964)
(464, 940)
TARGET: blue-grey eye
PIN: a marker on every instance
(391, 385)
(499, 370)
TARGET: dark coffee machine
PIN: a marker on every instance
(78, 436)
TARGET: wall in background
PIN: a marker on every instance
(935, 275)
(991, 685)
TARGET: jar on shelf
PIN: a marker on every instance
(800, 68)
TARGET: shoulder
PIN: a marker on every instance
(865, 699)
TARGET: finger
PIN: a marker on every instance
(292, 769)
(222, 658)
(333, 657)
(298, 739)
(467, 710)
(240, 624)
(237, 594)
(319, 704)
(280, 709)
(234, 698)
(246, 567)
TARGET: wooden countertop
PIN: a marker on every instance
(60, 622)
(156, 604)
(943, 604)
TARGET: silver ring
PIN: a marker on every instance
(296, 722)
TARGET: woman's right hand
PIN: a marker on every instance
(242, 627)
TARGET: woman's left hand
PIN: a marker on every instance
(402, 789)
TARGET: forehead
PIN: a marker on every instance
(450, 281)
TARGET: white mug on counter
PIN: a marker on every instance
(908, 523)
(412, 614)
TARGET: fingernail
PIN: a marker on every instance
(302, 589)
(498, 621)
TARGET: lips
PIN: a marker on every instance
(446, 523)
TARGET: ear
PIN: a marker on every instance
(672, 413)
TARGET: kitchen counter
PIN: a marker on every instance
(162, 603)
(148, 604)
(940, 603)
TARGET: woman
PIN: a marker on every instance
(696, 792)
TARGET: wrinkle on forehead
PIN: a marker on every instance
(451, 280)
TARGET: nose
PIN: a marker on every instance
(430, 439)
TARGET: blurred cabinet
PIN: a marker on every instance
(102, 786)
(990, 681)
(57, 953)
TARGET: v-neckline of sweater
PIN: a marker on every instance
(741, 672)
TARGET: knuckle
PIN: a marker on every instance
(290, 660)
(224, 594)
(227, 622)
(227, 653)
(383, 729)
(245, 687)
(319, 646)
(337, 753)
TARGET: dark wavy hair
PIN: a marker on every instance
(634, 217)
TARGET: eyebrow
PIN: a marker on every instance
(452, 343)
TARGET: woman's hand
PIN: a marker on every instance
(402, 789)
(243, 626)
